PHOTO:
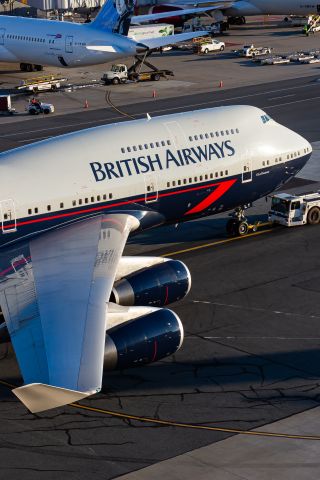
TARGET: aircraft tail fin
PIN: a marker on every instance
(115, 16)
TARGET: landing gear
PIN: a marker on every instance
(30, 67)
(238, 224)
(236, 20)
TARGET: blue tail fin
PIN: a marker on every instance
(115, 16)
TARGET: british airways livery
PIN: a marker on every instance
(72, 303)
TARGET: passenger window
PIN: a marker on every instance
(201, 137)
(179, 182)
(61, 205)
(104, 196)
(226, 172)
(92, 199)
(221, 174)
(157, 144)
(74, 203)
(190, 138)
(86, 200)
(110, 195)
(36, 210)
(196, 137)
(211, 134)
(217, 134)
(128, 149)
(134, 148)
(216, 175)
(206, 135)
(146, 146)
(232, 131)
(168, 142)
(98, 198)
(80, 201)
(168, 184)
(173, 183)
(211, 175)
(184, 181)
(48, 208)
(151, 145)
(163, 143)
(227, 132)
(29, 211)
(222, 133)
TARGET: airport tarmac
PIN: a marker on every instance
(193, 73)
(250, 361)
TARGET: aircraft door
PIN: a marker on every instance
(8, 216)
(69, 44)
(246, 171)
(2, 35)
(151, 188)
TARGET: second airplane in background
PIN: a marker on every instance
(34, 42)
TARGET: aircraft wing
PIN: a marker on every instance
(176, 13)
(53, 297)
(153, 43)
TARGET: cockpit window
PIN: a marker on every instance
(265, 118)
(280, 205)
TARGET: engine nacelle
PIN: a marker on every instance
(143, 340)
(158, 285)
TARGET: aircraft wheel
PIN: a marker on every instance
(313, 217)
(242, 228)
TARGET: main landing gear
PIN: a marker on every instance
(238, 224)
(30, 67)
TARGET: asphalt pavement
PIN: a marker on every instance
(251, 351)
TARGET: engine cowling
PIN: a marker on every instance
(158, 285)
(143, 340)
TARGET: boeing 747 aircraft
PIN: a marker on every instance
(72, 303)
(34, 42)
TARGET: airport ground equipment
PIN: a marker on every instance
(275, 60)
(252, 51)
(39, 107)
(313, 25)
(43, 83)
(292, 210)
(238, 224)
(5, 105)
(213, 29)
(139, 32)
(209, 46)
(120, 73)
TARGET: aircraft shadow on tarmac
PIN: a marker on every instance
(208, 229)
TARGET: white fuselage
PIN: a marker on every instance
(180, 165)
(60, 44)
(273, 7)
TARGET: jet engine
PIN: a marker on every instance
(157, 285)
(143, 340)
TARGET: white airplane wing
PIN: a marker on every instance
(176, 13)
(153, 43)
(54, 297)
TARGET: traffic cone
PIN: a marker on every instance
(154, 94)
(221, 84)
(86, 104)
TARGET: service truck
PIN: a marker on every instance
(120, 73)
(139, 32)
(208, 46)
(292, 210)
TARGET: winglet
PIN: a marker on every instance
(38, 397)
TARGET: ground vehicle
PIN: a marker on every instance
(252, 51)
(5, 105)
(39, 107)
(213, 29)
(275, 60)
(209, 46)
(120, 73)
(292, 210)
(37, 84)
(139, 32)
